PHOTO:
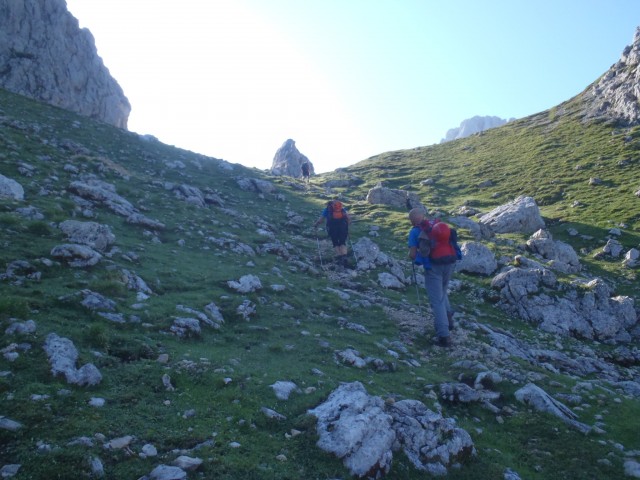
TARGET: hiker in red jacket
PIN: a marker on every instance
(337, 224)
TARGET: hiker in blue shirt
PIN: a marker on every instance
(436, 281)
(337, 224)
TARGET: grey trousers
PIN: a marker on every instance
(436, 281)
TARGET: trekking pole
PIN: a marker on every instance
(353, 250)
(415, 280)
(319, 252)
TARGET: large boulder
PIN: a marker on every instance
(519, 216)
(288, 161)
(63, 356)
(91, 234)
(364, 432)
(45, 55)
(102, 193)
(9, 188)
(393, 197)
(476, 258)
(561, 256)
(539, 400)
(77, 256)
(370, 256)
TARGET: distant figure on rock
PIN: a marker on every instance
(433, 245)
(337, 224)
(305, 171)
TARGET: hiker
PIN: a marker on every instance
(305, 171)
(337, 224)
(437, 272)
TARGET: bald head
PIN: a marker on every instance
(416, 215)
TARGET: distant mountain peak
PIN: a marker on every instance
(614, 96)
(473, 125)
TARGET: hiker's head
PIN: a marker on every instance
(416, 215)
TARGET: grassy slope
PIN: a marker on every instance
(536, 156)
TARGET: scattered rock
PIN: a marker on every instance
(246, 284)
(9, 188)
(8, 424)
(187, 463)
(78, 256)
(63, 355)
(395, 198)
(283, 389)
(540, 400)
(166, 472)
(98, 237)
(21, 328)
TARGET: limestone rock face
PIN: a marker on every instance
(45, 55)
(473, 125)
(288, 161)
(616, 95)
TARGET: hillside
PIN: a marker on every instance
(208, 317)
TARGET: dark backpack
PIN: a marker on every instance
(438, 242)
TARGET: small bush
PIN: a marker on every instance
(40, 229)
(97, 336)
(110, 287)
(129, 350)
(14, 307)
(8, 220)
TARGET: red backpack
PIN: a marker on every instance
(437, 241)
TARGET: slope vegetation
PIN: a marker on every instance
(213, 287)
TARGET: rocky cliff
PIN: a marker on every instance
(288, 161)
(46, 56)
(473, 125)
(616, 94)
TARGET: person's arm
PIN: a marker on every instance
(413, 243)
(323, 215)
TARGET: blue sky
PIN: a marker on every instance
(345, 79)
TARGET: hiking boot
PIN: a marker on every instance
(444, 342)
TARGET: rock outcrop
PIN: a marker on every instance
(364, 431)
(45, 55)
(615, 95)
(288, 161)
(584, 310)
